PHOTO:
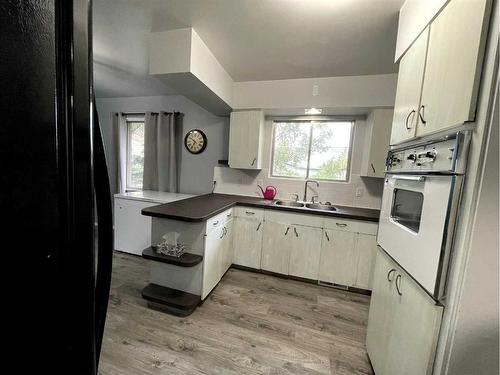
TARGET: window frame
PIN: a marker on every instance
(128, 186)
(311, 122)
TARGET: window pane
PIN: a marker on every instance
(330, 150)
(135, 154)
(407, 208)
(291, 146)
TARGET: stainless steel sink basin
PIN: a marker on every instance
(323, 207)
(289, 204)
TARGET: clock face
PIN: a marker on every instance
(195, 141)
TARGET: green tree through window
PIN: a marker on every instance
(311, 149)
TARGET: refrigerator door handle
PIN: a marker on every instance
(105, 231)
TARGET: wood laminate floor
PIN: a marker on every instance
(250, 324)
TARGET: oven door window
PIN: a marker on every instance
(407, 208)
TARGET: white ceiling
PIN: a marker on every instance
(253, 39)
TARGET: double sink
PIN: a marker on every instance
(309, 206)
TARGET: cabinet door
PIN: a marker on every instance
(366, 247)
(414, 329)
(245, 139)
(410, 77)
(247, 242)
(453, 68)
(211, 260)
(338, 258)
(381, 313)
(377, 139)
(276, 247)
(305, 251)
(227, 252)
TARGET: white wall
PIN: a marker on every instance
(244, 182)
(475, 345)
(196, 171)
(369, 91)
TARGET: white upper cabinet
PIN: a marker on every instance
(453, 69)
(410, 77)
(439, 75)
(378, 133)
(246, 131)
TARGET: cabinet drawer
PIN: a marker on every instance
(341, 224)
(293, 218)
(249, 212)
(367, 227)
(219, 219)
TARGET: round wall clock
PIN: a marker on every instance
(195, 141)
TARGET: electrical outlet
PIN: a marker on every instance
(359, 192)
(315, 90)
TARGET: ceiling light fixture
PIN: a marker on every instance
(313, 111)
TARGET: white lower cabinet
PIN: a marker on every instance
(347, 258)
(227, 251)
(365, 250)
(305, 248)
(289, 244)
(276, 247)
(218, 255)
(247, 242)
(338, 260)
(211, 259)
(403, 323)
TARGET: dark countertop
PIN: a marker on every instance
(203, 207)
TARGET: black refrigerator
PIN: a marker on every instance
(55, 190)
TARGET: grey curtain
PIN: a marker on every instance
(160, 152)
(120, 141)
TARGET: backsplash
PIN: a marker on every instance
(244, 182)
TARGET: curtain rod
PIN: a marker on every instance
(153, 113)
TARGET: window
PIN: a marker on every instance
(135, 154)
(312, 149)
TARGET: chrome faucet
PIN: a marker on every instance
(305, 188)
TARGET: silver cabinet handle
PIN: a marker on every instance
(215, 223)
(228, 215)
(341, 225)
(407, 118)
(327, 236)
(408, 178)
(295, 230)
(258, 227)
(389, 274)
(373, 168)
(253, 161)
(222, 233)
(287, 229)
(421, 115)
(398, 277)
(250, 213)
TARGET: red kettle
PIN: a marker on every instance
(269, 193)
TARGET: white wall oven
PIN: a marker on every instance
(419, 207)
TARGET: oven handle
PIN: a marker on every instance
(408, 178)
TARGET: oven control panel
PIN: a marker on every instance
(442, 156)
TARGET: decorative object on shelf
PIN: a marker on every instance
(195, 141)
(169, 246)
